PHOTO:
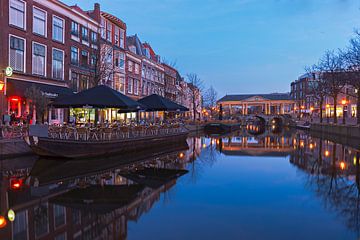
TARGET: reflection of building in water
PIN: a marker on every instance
(63, 210)
(333, 172)
(256, 146)
(194, 150)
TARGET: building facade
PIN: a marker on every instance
(246, 104)
(306, 101)
(63, 49)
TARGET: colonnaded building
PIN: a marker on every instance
(246, 104)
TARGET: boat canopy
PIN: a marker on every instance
(155, 102)
(98, 97)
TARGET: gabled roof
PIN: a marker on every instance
(241, 97)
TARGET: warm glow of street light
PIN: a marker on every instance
(327, 105)
(342, 165)
(327, 153)
(312, 109)
(2, 222)
(311, 146)
(343, 102)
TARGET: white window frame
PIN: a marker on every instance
(78, 54)
(32, 51)
(52, 28)
(11, 35)
(53, 210)
(46, 20)
(24, 15)
(52, 65)
(131, 90)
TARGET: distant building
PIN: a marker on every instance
(307, 102)
(244, 104)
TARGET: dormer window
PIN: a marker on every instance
(132, 49)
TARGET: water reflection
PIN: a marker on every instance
(333, 174)
(88, 199)
(99, 199)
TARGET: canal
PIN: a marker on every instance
(276, 185)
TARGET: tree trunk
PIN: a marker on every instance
(321, 107)
(194, 110)
(335, 106)
(358, 107)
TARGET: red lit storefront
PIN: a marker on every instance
(18, 106)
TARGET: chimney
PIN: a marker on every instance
(97, 12)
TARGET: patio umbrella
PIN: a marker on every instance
(98, 97)
(155, 102)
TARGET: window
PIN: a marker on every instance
(17, 13)
(119, 83)
(59, 216)
(75, 29)
(108, 31)
(93, 60)
(58, 64)
(20, 226)
(38, 59)
(122, 60)
(130, 66)
(130, 85)
(122, 37)
(93, 37)
(116, 35)
(41, 220)
(17, 54)
(136, 87)
(74, 55)
(39, 21)
(83, 83)
(102, 28)
(137, 68)
(76, 216)
(143, 71)
(132, 49)
(58, 29)
(74, 81)
(84, 58)
(85, 34)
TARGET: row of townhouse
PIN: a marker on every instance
(63, 49)
(306, 100)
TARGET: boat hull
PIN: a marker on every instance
(55, 148)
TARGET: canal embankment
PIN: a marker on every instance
(12, 148)
(345, 134)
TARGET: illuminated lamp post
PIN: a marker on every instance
(344, 102)
(328, 112)
(311, 113)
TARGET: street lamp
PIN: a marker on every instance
(344, 102)
(311, 113)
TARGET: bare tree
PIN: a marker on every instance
(210, 98)
(103, 65)
(331, 68)
(37, 101)
(170, 63)
(317, 88)
(352, 58)
(196, 86)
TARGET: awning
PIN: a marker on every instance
(18, 88)
(155, 102)
(98, 97)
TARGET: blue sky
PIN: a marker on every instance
(239, 46)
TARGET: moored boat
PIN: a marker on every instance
(46, 146)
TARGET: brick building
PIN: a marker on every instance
(47, 44)
(170, 82)
(63, 49)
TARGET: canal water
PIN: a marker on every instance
(276, 185)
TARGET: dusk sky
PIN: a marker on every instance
(239, 46)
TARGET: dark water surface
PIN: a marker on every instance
(286, 185)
